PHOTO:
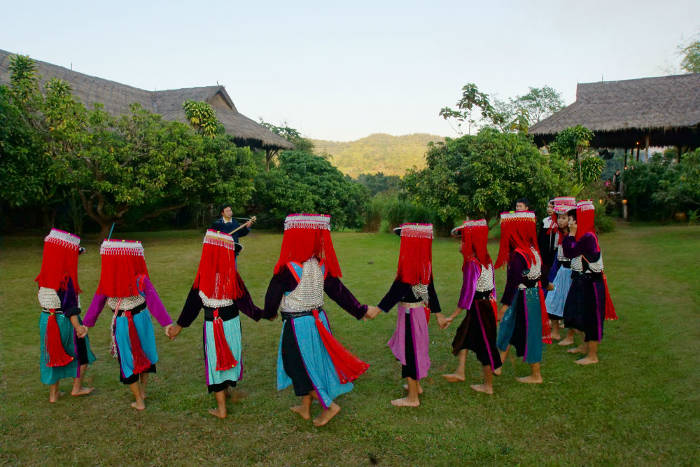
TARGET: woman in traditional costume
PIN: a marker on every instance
(414, 292)
(524, 320)
(588, 302)
(126, 288)
(309, 356)
(219, 289)
(477, 332)
(65, 348)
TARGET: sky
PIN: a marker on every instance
(342, 72)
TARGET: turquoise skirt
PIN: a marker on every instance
(77, 348)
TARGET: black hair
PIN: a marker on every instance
(224, 206)
(571, 213)
(525, 201)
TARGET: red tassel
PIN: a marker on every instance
(494, 307)
(140, 361)
(427, 314)
(546, 331)
(347, 366)
(224, 358)
(609, 307)
(54, 347)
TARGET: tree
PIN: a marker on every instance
(202, 117)
(690, 53)
(471, 102)
(511, 115)
(379, 183)
(303, 182)
(539, 103)
(482, 175)
(573, 144)
(290, 134)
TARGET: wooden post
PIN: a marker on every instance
(646, 148)
(625, 164)
(637, 153)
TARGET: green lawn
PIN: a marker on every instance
(639, 405)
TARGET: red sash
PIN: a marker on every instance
(54, 346)
(348, 366)
(224, 358)
(140, 361)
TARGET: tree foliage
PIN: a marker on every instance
(202, 117)
(690, 53)
(303, 182)
(483, 174)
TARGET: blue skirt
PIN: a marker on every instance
(144, 329)
(317, 362)
(557, 298)
(219, 380)
(521, 326)
(77, 348)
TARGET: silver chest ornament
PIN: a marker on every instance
(485, 281)
(308, 294)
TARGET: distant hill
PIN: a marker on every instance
(378, 152)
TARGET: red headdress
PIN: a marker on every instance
(562, 205)
(415, 254)
(217, 277)
(517, 232)
(60, 260)
(122, 263)
(475, 235)
(306, 236)
(585, 218)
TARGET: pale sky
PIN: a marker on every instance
(344, 72)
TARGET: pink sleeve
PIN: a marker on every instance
(96, 306)
(154, 304)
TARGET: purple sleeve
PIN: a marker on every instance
(96, 306)
(514, 275)
(154, 304)
(245, 303)
(343, 297)
(470, 274)
(586, 245)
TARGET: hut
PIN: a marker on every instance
(632, 114)
(117, 98)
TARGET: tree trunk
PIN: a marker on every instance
(104, 230)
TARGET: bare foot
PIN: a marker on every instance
(81, 392)
(498, 371)
(404, 402)
(454, 378)
(53, 398)
(217, 413)
(303, 412)
(327, 415)
(530, 379)
(587, 361)
(420, 388)
(482, 388)
(579, 349)
(566, 341)
(139, 405)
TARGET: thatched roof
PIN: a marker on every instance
(117, 98)
(621, 113)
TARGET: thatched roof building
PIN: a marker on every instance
(117, 98)
(632, 113)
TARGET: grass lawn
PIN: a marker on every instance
(639, 405)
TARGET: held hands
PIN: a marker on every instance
(443, 322)
(550, 287)
(372, 312)
(81, 331)
(172, 330)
